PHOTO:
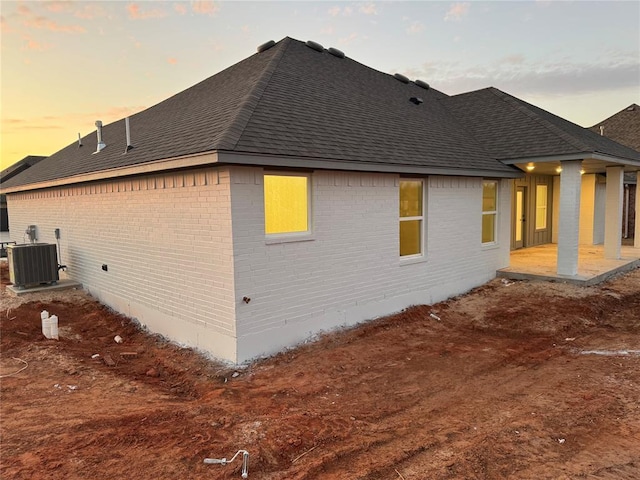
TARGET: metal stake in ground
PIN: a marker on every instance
(224, 461)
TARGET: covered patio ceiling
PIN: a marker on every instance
(551, 166)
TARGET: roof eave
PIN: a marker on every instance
(572, 156)
(238, 158)
(274, 161)
(176, 163)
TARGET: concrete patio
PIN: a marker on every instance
(540, 263)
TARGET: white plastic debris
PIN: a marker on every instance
(561, 441)
(46, 324)
(434, 316)
(118, 339)
(95, 355)
(53, 325)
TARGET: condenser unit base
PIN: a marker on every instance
(60, 285)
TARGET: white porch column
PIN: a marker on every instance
(569, 223)
(613, 213)
(636, 241)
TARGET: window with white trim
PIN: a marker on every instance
(411, 217)
(541, 207)
(489, 211)
(286, 203)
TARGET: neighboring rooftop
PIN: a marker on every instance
(623, 127)
(19, 166)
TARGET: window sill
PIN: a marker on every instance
(412, 260)
(289, 238)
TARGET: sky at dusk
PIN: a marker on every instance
(66, 64)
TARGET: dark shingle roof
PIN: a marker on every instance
(512, 129)
(21, 165)
(290, 101)
(623, 127)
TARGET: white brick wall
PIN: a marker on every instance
(174, 265)
(166, 240)
(351, 270)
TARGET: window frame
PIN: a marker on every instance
(422, 218)
(545, 207)
(282, 237)
(494, 213)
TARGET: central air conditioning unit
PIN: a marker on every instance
(32, 264)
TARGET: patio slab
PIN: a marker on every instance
(540, 263)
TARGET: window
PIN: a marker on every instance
(411, 217)
(286, 203)
(489, 211)
(541, 207)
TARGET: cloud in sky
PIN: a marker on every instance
(34, 45)
(57, 6)
(415, 28)
(345, 12)
(39, 22)
(350, 39)
(368, 9)
(90, 11)
(181, 8)
(457, 11)
(517, 76)
(137, 13)
(205, 7)
(172, 60)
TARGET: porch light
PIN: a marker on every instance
(558, 169)
(530, 167)
(582, 171)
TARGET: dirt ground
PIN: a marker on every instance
(514, 380)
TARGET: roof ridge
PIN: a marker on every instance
(241, 119)
(570, 139)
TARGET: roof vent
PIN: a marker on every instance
(127, 130)
(315, 46)
(266, 46)
(402, 78)
(602, 130)
(422, 84)
(335, 52)
(101, 145)
(79, 140)
(416, 100)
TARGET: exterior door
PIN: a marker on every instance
(520, 220)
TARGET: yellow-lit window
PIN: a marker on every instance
(286, 203)
(541, 207)
(411, 217)
(489, 211)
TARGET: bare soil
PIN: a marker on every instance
(494, 384)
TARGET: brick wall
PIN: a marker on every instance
(173, 264)
(350, 270)
(166, 240)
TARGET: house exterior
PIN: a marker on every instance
(624, 128)
(298, 191)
